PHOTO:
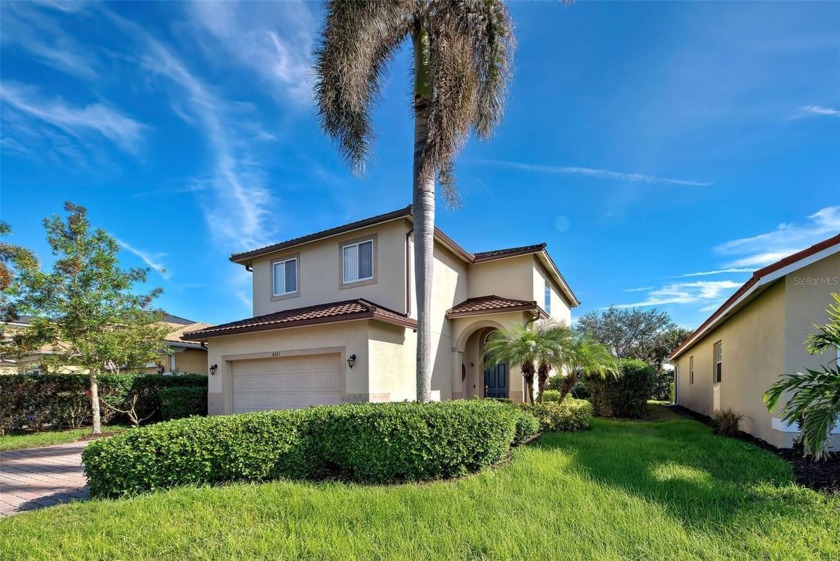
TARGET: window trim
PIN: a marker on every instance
(374, 239)
(717, 375)
(273, 263)
(547, 296)
(691, 370)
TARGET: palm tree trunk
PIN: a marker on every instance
(542, 378)
(528, 374)
(568, 384)
(94, 403)
(423, 209)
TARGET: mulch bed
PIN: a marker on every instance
(821, 476)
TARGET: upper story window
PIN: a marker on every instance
(357, 261)
(718, 362)
(284, 277)
(547, 298)
(691, 369)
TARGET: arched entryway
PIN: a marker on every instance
(479, 379)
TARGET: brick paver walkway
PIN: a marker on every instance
(40, 477)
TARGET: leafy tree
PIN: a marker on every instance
(12, 257)
(649, 335)
(85, 309)
(814, 394)
(462, 57)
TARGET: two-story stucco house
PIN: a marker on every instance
(334, 319)
(758, 335)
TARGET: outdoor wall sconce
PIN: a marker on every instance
(213, 369)
(351, 361)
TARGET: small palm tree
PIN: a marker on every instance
(462, 58)
(586, 357)
(554, 342)
(520, 345)
(815, 394)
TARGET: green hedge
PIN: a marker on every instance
(625, 396)
(362, 442)
(36, 400)
(180, 402)
(571, 415)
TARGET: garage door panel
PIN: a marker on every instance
(288, 382)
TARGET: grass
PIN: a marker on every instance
(668, 489)
(19, 440)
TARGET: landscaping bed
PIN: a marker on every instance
(821, 476)
(623, 490)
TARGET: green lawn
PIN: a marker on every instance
(625, 490)
(21, 440)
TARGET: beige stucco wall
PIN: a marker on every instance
(347, 338)
(508, 278)
(761, 342)
(320, 272)
(560, 310)
(391, 352)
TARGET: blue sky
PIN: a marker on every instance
(662, 150)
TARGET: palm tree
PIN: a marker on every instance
(462, 58)
(553, 344)
(520, 345)
(815, 399)
(586, 357)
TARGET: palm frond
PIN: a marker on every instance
(357, 41)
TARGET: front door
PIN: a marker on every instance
(496, 381)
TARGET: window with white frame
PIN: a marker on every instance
(357, 261)
(547, 298)
(284, 277)
(718, 363)
(691, 369)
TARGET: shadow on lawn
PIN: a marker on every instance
(707, 482)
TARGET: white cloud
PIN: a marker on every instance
(152, 260)
(76, 121)
(818, 110)
(785, 239)
(696, 292)
(711, 273)
(274, 40)
(236, 215)
(594, 172)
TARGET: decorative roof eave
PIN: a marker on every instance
(506, 305)
(761, 280)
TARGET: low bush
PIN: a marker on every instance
(180, 402)
(727, 422)
(662, 382)
(375, 443)
(550, 395)
(571, 415)
(37, 400)
(625, 396)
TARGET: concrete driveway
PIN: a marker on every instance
(40, 477)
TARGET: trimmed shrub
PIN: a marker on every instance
(572, 415)
(375, 443)
(550, 395)
(727, 422)
(662, 382)
(36, 400)
(527, 426)
(625, 396)
(177, 403)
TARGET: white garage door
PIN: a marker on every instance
(286, 383)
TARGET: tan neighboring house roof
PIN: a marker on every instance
(492, 304)
(176, 338)
(310, 315)
(246, 258)
(760, 281)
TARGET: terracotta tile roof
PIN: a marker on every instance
(754, 279)
(493, 304)
(509, 252)
(310, 315)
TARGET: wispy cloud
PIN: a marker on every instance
(77, 121)
(594, 172)
(152, 260)
(640, 289)
(816, 111)
(696, 292)
(237, 213)
(785, 239)
(274, 40)
(712, 273)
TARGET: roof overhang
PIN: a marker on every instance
(484, 305)
(760, 281)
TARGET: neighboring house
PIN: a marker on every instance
(181, 355)
(756, 336)
(335, 319)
